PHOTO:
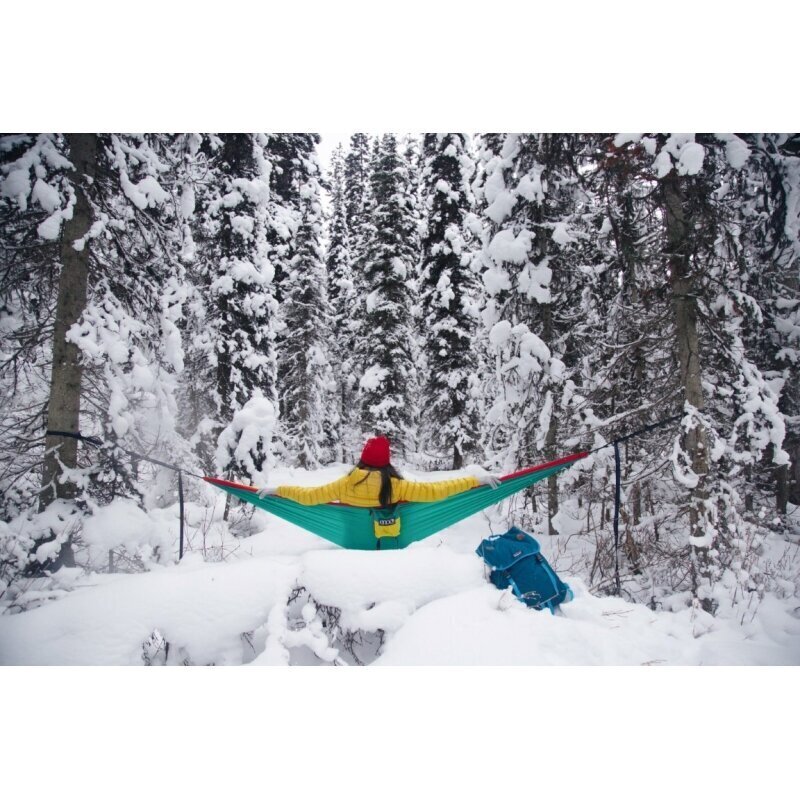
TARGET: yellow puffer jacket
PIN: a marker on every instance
(347, 489)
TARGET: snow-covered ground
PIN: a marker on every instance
(284, 596)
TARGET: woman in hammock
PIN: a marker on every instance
(375, 483)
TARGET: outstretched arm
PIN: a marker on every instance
(313, 495)
(415, 492)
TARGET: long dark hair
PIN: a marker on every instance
(387, 473)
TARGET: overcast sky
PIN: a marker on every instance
(328, 145)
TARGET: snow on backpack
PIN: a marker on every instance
(516, 562)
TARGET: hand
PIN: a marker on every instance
(269, 490)
(484, 477)
(489, 479)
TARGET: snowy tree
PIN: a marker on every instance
(234, 271)
(39, 160)
(292, 163)
(307, 389)
(384, 348)
(341, 292)
(28, 263)
(116, 350)
(771, 233)
(731, 416)
(534, 213)
(169, 295)
(356, 180)
(448, 289)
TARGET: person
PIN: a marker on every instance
(375, 483)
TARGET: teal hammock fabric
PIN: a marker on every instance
(351, 527)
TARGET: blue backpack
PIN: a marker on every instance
(516, 561)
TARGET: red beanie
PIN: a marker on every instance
(376, 452)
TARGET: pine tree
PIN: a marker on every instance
(627, 348)
(310, 421)
(235, 271)
(115, 352)
(33, 169)
(771, 230)
(384, 348)
(409, 147)
(356, 180)
(731, 416)
(448, 291)
(532, 205)
(341, 292)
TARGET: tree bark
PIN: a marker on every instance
(63, 410)
(552, 481)
(688, 346)
(787, 476)
(458, 457)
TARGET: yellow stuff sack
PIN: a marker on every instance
(386, 522)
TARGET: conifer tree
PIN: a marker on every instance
(294, 169)
(409, 147)
(341, 292)
(771, 233)
(448, 291)
(310, 419)
(116, 349)
(731, 416)
(384, 347)
(32, 171)
(531, 204)
(356, 180)
(235, 271)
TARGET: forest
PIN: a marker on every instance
(239, 305)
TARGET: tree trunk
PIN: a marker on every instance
(63, 410)
(552, 481)
(458, 457)
(787, 476)
(687, 340)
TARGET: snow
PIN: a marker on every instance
(530, 187)
(51, 227)
(245, 271)
(500, 333)
(496, 280)
(199, 608)
(431, 601)
(532, 345)
(682, 152)
(622, 139)
(122, 522)
(534, 281)
(147, 193)
(505, 246)
(250, 432)
(662, 164)
(373, 377)
(561, 236)
(187, 202)
(244, 226)
(691, 160)
(17, 186)
(737, 152)
(46, 196)
(502, 205)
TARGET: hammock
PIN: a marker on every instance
(351, 527)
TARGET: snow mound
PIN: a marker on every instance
(431, 605)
